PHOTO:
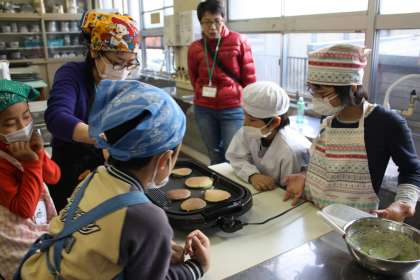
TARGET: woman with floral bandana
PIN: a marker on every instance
(113, 42)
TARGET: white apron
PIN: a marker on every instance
(16, 233)
(338, 171)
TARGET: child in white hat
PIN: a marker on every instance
(265, 150)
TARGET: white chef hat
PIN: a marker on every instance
(265, 100)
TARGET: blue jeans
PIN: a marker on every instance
(217, 128)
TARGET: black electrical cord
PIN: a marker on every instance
(276, 216)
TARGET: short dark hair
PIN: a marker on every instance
(116, 133)
(284, 120)
(134, 163)
(211, 6)
(348, 98)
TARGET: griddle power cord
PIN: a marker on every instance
(276, 216)
(231, 224)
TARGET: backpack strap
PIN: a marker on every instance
(105, 208)
(72, 225)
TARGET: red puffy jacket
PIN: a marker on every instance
(235, 53)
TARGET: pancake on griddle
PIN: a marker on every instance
(192, 204)
(182, 172)
(216, 195)
(178, 194)
(201, 182)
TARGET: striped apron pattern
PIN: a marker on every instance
(338, 171)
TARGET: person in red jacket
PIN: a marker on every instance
(220, 65)
(25, 204)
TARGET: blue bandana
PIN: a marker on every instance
(117, 102)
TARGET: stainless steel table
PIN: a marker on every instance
(324, 258)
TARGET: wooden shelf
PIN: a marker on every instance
(46, 65)
(68, 47)
(22, 49)
(19, 16)
(31, 60)
(20, 34)
(63, 32)
(66, 59)
(59, 17)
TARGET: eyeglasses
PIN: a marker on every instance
(209, 23)
(312, 89)
(319, 90)
(120, 67)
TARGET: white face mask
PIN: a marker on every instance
(108, 73)
(21, 135)
(152, 184)
(323, 106)
(255, 132)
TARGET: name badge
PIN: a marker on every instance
(209, 91)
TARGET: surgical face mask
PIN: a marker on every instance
(21, 135)
(153, 184)
(323, 106)
(106, 70)
(255, 132)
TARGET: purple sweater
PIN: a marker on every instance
(69, 99)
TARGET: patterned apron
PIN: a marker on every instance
(338, 171)
(16, 233)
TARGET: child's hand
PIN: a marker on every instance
(397, 211)
(295, 185)
(197, 245)
(262, 182)
(36, 142)
(177, 253)
(22, 151)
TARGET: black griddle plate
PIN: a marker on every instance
(239, 202)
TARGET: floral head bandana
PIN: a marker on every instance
(111, 31)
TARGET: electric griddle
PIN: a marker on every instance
(221, 214)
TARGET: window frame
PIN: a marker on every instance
(368, 22)
(150, 32)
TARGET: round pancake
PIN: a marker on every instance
(192, 204)
(216, 195)
(203, 182)
(181, 172)
(178, 194)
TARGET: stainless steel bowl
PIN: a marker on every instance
(388, 267)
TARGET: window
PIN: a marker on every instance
(129, 7)
(155, 55)
(247, 9)
(266, 50)
(149, 5)
(311, 7)
(399, 55)
(400, 6)
(154, 12)
(295, 55)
